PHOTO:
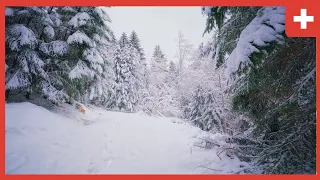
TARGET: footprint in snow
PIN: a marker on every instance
(93, 168)
(107, 155)
(12, 130)
(108, 162)
(15, 161)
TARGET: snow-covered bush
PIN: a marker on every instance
(160, 98)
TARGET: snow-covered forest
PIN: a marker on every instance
(248, 93)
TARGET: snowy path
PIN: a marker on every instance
(39, 141)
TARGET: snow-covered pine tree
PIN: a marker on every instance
(159, 67)
(86, 31)
(26, 29)
(135, 42)
(157, 52)
(211, 119)
(62, 50)
(172, 67)
(200, 51)
(172, 78)
(142, 64)
(223, 20)
(117, 101)
(137, 68)
(124, 40)
(107, 77)
(194, 112)
(127, 82)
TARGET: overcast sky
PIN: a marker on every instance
(159, 25)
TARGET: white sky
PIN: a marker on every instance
(159, 25)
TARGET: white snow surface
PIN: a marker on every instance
(39, 141)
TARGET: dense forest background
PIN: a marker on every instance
(250, 82)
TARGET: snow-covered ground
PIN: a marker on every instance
(39, 141)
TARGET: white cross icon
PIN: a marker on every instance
(303, 19)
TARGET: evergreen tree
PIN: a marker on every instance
(125, 87)
(159, 63)
(172, 78)
(26, 30)
(172, 67)
(157, 52)
(211, 119)
(226, 36)
(204, 111)
(89, 35)
(195, 110)
(135, 42)
(124, 41)
(69, 45)
(142, 64)
(142, 67)
(201, 53)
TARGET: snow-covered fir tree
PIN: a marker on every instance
(211, 119)
(124, 40)
(89, 36)
(69, 45)
(157, 52)
(27, 29)
(135, 42)
(200, 52)
(205, 108)
(172, 78)
(194, 111)
(142, 64)
(127, 83)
